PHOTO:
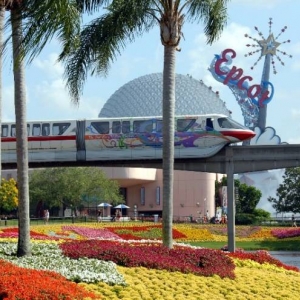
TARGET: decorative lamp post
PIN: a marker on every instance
(135, 212)
(268, 48)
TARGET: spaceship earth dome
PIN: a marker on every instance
(142, 97)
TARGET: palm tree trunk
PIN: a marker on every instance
(2, 18)
(21, 136)
(168, 142)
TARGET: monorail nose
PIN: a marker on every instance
(241, 135)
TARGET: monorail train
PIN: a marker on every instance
(122, 138)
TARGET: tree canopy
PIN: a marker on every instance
(8, 195)
(72, 187)
(288, 192)
(247, 197)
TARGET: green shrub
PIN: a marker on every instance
(245, 219)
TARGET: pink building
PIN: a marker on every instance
(194, 192)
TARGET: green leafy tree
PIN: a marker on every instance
(72, 187)
(8, 195)
(288, 192)
(120, 22)
(248, 196)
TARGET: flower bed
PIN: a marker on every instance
(21, 283)
(204, 262)
(101, 258)
(286, 233)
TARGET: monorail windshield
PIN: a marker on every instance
(229, 123)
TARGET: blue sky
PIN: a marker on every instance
(47, 97)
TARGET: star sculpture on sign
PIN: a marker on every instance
(267, 46)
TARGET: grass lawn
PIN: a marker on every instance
(284, 245)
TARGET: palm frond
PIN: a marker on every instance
(90, 6)
(43, 20)
(213, 14)
(102, 40)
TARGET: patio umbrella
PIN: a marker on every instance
(121, 206)
(104, 204)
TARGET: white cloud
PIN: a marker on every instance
(50, 66)
(200, 57)
(48, 97)
(54, 102)
(8, 105)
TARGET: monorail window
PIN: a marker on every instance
(185, 124)
(116, 127)
(125, 126)
(45, 129)
(59, 128)
(143, 126)
(209, 124)
(13, 130)
(101, 127)
(159, 125)
(36, 130)
(4, 130)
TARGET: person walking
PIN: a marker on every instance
(294, 224)
(46, 216)
(207, 216)
(99, 216)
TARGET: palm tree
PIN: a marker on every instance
(3, 4)
(21, 127)
(119, 23)
(19, 11)
(2, 18)
(24, 247)
(103, 39)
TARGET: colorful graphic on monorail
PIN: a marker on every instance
(126, 138)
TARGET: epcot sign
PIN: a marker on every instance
(257, 93)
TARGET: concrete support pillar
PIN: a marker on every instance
(230, 200)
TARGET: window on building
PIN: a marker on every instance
(157, 195)
(142, 196)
